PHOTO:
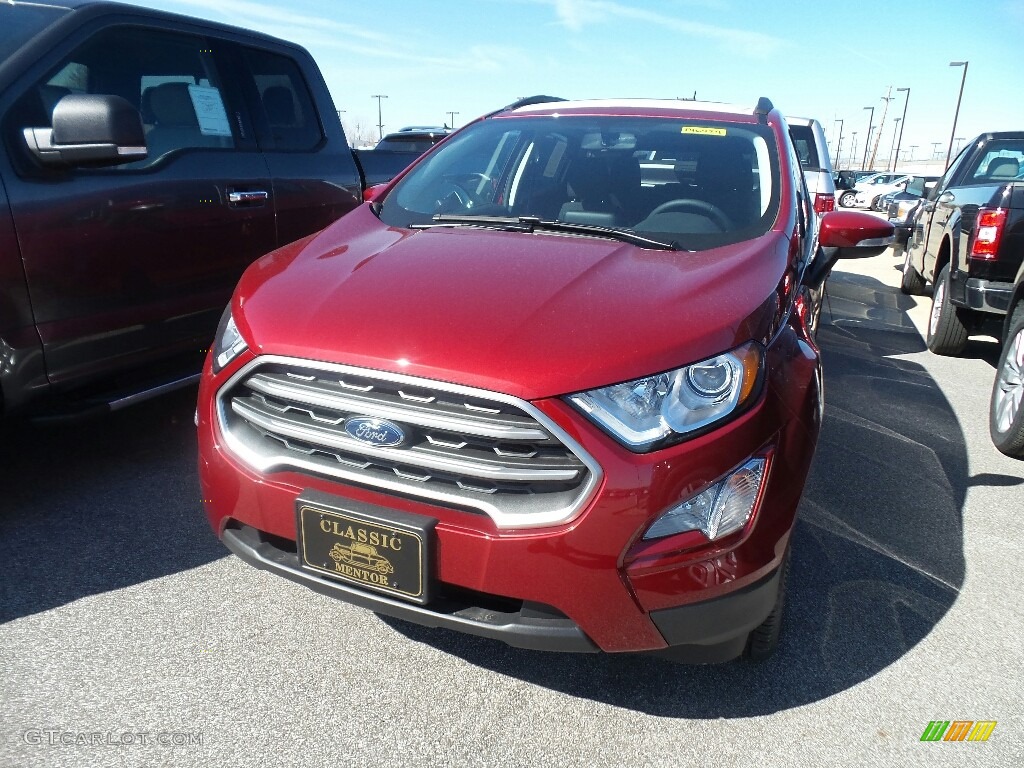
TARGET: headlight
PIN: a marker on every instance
(228, 344)
(658, 410)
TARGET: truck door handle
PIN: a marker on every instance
(258, 196)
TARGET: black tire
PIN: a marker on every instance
(947, 332)
(911, 283)
(1006, 408)
(763, 640)
(846, 199)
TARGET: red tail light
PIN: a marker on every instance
(988, 230)
(824, 203)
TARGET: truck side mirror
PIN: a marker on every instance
(89, 130)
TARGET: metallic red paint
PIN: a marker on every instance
(538, 316)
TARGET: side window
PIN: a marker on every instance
(1002, 161)
(289, 110)
(170, 78)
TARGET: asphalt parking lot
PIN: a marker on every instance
(129, 637)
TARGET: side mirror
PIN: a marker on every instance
(89, 130)
(371, 193)
(847, 235)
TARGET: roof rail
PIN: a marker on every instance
(764, 106)
(526, 102)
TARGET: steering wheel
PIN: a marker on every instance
(713, 212)
(460, 188)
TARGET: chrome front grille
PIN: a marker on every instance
(467, 448)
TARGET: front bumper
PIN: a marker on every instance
(591, 583)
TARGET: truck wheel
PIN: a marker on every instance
(846, 199)
(1006, 409)
(911, 283)
(763, 639)
(947, 333)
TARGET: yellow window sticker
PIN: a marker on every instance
(703, 131)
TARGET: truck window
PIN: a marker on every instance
(287, 104)
(1001, 161)
(170, 78)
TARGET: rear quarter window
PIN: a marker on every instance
(806, 147)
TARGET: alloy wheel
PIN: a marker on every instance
(1009, 390)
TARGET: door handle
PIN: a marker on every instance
(252, 196)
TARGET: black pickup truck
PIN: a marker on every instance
(148, 159)
(968, 242)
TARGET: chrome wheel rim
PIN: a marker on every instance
(1009, 390)
(937, 299)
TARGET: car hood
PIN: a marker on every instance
(532, 315)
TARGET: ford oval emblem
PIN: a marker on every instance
(376, 432)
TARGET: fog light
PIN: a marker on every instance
(717, 511)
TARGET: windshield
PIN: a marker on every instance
(20, 23)
(695, 183)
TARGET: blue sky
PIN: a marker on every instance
(827, 60)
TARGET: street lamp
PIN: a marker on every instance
(904, 119)
(894, 132)
(380, 121)
(956, 115)
(853, 150)
(839, 145)
(871, 119)
(958, 139)
(451, 116)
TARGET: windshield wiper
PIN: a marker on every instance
(532, 224)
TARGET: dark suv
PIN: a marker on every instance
(569, 400)
(415, 139)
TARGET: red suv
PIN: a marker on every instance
(555, 385)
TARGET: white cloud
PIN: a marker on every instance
(575, 14)
(246, 13)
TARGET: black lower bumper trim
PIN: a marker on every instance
(528, 628)
(724, 621)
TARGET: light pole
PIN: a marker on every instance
(904, 119)
(956, 115)
(894, 132)
(871, 119)
(839, 145)
(912, 148)
(451, 120)
(958, 139)
(853, 150)
(380, 121)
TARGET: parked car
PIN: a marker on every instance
(812, 151)
(847, 179)
(871, 198)
(396, 152)
(149, 158)
(574, 408)
(902, 208)
(413, 139)
(871, 187)
(968, 242)
(1006, 408)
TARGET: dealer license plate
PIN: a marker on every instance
(370, 547)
